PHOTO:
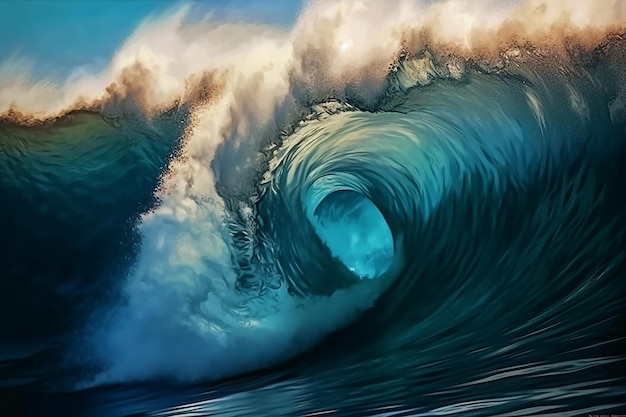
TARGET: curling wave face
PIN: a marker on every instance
(446, 191)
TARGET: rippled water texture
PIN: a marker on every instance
(415, 210)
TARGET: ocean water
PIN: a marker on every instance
(406, 208)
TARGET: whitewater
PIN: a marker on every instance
(410, 204)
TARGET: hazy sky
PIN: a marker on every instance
(61, 34)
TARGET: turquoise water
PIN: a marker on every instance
(301, 231)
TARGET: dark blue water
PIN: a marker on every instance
(467, 233)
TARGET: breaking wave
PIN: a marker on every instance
(418, 187)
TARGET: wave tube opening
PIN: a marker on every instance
(355, 231)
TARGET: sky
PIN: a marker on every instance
(58, 35)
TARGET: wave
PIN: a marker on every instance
(443, 174)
